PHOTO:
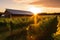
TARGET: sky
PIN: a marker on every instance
(47, 5)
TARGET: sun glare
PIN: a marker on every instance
(35, 10)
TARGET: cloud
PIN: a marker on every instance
(47, 3)
(24, 1)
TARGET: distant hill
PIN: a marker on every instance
(48, 13)
(1, 12)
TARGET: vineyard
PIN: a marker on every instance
(24, 28)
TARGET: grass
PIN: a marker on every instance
(18, 24)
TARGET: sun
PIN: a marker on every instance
(34, 10)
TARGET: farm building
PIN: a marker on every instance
(13, 13)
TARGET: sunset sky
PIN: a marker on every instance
(46, 5)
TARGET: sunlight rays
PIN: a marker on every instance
(35, 11)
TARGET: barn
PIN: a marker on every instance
(16, 13)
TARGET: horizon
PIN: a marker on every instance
(26, 10)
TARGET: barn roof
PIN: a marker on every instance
(12, 11)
